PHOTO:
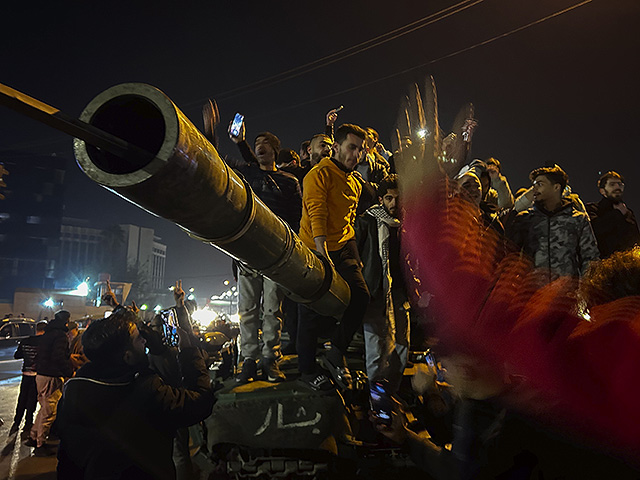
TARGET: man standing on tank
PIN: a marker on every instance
(331, 194)
(259, 298)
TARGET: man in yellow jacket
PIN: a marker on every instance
(330, 198)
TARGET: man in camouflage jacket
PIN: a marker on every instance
(556, 235)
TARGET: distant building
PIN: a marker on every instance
(125, 251)
(81, 249)
(41, 249)
(30, 219)
(145, 255)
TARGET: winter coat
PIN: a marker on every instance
(615, 232)
(279, 190)
(368, 246)
(561, 241)
(28, 349)
(54, 359)
(121, 424)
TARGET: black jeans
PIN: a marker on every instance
(310, 324)
(27, 399)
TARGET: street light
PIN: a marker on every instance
(82, 289)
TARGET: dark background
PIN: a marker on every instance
(565, 90)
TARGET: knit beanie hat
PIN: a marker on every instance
(62, 316)
(271, 140)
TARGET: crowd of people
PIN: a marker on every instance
(352, 216)
(124, 413)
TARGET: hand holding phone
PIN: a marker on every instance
(170, 327)
(381, 402)
(236, 128)
(332, 115)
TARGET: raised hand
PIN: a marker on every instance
(241, 134)
(332, 116)
(178, 294)
(109, 297)
(134, 308)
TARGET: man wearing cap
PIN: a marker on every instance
(257, 295)
(53, 366)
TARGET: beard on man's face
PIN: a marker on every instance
(616, 196)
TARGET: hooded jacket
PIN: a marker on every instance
(562, 241)
(54, 359)
(120, 423)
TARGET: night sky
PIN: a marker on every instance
(564, 90)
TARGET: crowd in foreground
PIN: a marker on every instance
(481, 263)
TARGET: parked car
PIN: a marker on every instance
(12, 330)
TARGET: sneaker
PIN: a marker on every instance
(44, 451)
(31, 442)
(335, 362)
(249, 371)
(14, 428)
(318, 382)
(272, 371)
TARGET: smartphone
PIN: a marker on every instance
(237, 124)
(381, 401)
(169, 327)
(430, 360)
(419, 357)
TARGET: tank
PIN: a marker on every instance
(259, 430)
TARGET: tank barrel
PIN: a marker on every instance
(188, 183)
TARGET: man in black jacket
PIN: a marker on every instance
(117, 417)
(614, 225)
(28, 397)
(259, 298)
(53, 365)
(386, 324)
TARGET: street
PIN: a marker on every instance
(16, 462)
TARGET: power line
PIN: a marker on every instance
(308, 67)
(430, 62)
(342, 54)
(316, 64)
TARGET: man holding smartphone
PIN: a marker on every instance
(260, 299)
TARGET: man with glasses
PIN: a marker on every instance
(614, 225)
